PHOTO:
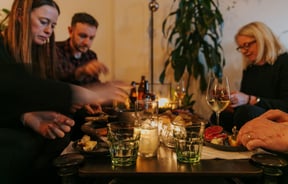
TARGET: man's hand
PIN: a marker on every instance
(92, 68)
(268, 131)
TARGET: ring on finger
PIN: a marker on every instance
(249, 137)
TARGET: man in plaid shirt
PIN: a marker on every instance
(77, 63)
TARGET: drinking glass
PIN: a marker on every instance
(147, 119)
(180, 93)
(218, 94)
(146, 109)
(189, 142)
(123, 140)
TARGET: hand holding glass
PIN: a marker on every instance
(218, 95)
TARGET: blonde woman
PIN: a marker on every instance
(264, 83)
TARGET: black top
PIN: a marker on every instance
(21, 92)
(269, 82)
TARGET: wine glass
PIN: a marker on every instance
(218, 94)
(180, 92)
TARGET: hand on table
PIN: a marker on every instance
(268, 131)
(49, 124)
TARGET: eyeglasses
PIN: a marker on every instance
(245, 46)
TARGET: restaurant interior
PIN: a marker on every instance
(131, 46)
(123, 43)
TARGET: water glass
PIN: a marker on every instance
(146, 109)
(189, 142)
(123, 140)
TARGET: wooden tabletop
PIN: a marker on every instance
(166, 164)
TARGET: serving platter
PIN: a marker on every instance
(226, 146)
(101, 149)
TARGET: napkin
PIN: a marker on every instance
(212, 153)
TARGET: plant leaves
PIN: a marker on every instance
(195, 36)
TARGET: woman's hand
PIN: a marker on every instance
(100, 93)
(89, 108)
(109, 91)
(238, 98)
(49, 124)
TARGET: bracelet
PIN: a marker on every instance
(249, 98)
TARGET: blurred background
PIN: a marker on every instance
(123, 42)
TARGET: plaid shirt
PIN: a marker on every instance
(67, 64)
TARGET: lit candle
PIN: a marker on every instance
(163, 102)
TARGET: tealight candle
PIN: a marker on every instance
(163, 102)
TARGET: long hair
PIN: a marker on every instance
(19, 41)
(269, 47)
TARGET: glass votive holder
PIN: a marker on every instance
(149, 139)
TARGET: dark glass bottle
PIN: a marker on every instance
(141, 88)
(147, 94)
(133, 94)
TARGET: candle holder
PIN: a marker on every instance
(163, 94)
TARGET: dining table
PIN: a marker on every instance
(165, 167)
(214, 164)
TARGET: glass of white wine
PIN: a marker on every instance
(218, 94)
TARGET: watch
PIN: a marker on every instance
(258, 100)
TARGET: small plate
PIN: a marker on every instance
(270, 160)
(226, 147)
(101, 149)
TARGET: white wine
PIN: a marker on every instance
(218, 95)
(218, 105)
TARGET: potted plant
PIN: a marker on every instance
(3, 22)
(194, 32)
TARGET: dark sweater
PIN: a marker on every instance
(269, 82)
(21, 92)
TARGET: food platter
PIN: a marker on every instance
(101, 149)
(92, 128)
(216, 137)
(100, 120)
(225, 147)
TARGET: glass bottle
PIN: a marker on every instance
(133, 94)
(146, 95)
(141, 88)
